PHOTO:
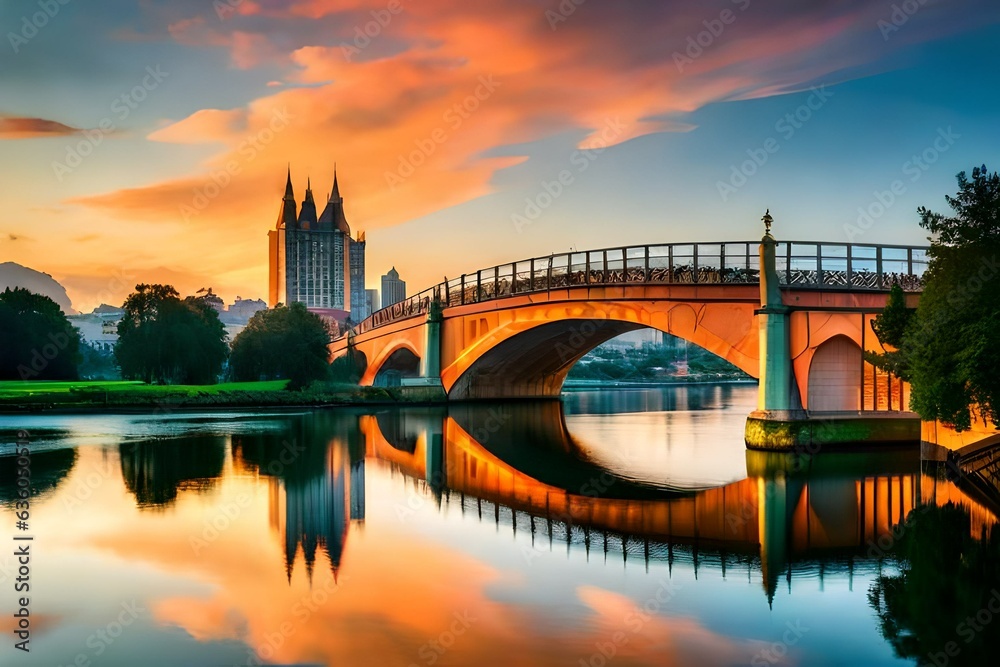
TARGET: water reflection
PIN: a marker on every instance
(944, 604)
(154, 470)
(48, 469)
(551, 528)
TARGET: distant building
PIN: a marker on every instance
(310, 255)
(371, 298)
(243, 309)
(359, 304)
(212, 299)
(393, 289)
(99, 329)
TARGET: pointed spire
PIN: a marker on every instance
(335, 193)
(286, 214)
(289, 193)
(307, 214)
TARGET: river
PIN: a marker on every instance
(626, 527)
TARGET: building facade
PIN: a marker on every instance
(359, 303)
(312, 257)
(371, 300)
(393, 289)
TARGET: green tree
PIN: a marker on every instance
(37, 342)
(164, 339)
(949, 349)
(286, 342)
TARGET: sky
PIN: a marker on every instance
(148, 141)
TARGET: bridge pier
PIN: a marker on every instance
(780, 423)
(428, 386)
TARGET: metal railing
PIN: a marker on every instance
(835, 266)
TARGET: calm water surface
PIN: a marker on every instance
(620, 528)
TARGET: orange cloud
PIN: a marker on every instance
(416, 107)
(14, 127)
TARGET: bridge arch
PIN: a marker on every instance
(531, 350)
(835, 376)
(402, 357)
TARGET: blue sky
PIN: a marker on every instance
(869, 99)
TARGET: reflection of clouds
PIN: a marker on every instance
(689, 442)
(646, 633)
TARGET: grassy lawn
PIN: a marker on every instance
(30, 396)
(16, 388)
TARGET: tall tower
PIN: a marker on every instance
(393, 289)
(359, 300)
(310, 254)
(277, 259)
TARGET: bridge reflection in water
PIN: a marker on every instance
(517, 465)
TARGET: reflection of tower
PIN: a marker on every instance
(315, 511)
(357, 488)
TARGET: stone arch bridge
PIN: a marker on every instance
(795, 315)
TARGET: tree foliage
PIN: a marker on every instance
(37, 342)
(164, 339)
(949, 350)
(286, 342)
(976, 221)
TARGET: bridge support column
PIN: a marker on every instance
(777, 395)
(779, 423)
(429, 383)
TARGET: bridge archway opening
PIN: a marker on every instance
(402, 363)
(650, 355)
(535, 363)
(835, 376)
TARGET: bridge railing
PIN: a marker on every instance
(802, 265)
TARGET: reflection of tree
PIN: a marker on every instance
(154, 470)
(947, 577)
(48, 468)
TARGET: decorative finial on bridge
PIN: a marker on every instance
(767, 221)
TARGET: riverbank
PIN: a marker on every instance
(583, 385)
(88, 396)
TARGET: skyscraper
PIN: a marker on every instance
(372, 300)
(393, 289)
(359, 302)
(311, 255)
